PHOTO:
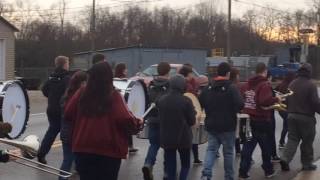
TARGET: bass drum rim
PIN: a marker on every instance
(25, 93)
(130, 84)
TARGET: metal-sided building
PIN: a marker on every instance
(137, 58)
(7, 49)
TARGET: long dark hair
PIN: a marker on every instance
(119, 70)
(75, 83)
(96, 98)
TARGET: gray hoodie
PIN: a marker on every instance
(177, 115)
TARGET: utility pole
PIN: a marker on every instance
(93, 27)
(229, 33)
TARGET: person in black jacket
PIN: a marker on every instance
(157, 88)
(77, 80)
(177, 115)
(302, 107)
(221, 101)
(53, 89)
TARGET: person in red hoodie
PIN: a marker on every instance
(257, 94)
(101, 124)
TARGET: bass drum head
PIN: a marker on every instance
(136, 98)
(14, 107)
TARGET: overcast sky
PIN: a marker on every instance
(221, 5)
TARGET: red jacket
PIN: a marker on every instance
(106, 135)
(193, 87)
(257, 93)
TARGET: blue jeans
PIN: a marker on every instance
(170, 163)
(154, 139)
(227, 140)
(260, 135)
(68, 158)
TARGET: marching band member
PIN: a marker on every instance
(5, 128)
(258, 94)
(77, 81)
(192, 87)
(121, 72)
(273, 145)
(177, 115)
(157, 88)
(302, 106)
(221, 101)
(234, 78)
(101, 125)
(97, 58)
(283, 88)
(53, 89)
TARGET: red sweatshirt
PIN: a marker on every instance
(257, 93)
(106, 135)
(193, 87)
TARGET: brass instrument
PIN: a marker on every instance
(280, 106)
(29, 148)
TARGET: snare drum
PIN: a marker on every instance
(134, 93)
(14, 107)
(200, 135)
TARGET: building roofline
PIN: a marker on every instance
(14, 28)
(137, 46)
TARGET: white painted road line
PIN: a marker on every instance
(38, 114)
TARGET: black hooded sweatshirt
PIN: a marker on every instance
(54, 88)
(221, 101)
(305, 99)
(177, 115)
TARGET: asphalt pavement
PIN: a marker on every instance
(131, 167)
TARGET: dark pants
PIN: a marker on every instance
(130, 141)
(97, 167)
(260, 135)
(237, 145)
(51, 134)
(68, 158)
(284, 116)
(272, 135)
(170, 163)
(154, 140)
(195, 151)
(300, 128)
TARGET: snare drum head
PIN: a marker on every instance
(14, 107)
(134, 93)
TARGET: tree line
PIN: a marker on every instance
(44, 34)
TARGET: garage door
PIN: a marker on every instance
(2, 60)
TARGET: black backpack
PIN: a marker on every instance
(155, 92)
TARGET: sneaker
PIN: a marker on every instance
(133, 150)
(147, 173)
(284, 166)
(281, 145)
(270, 174)
(244, 177)
(275, 159)
(197, 161)
(42, 160)
(310, 167)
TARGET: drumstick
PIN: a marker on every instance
(153, 105)
(145, 114)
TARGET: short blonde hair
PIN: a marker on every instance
(60, 61)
